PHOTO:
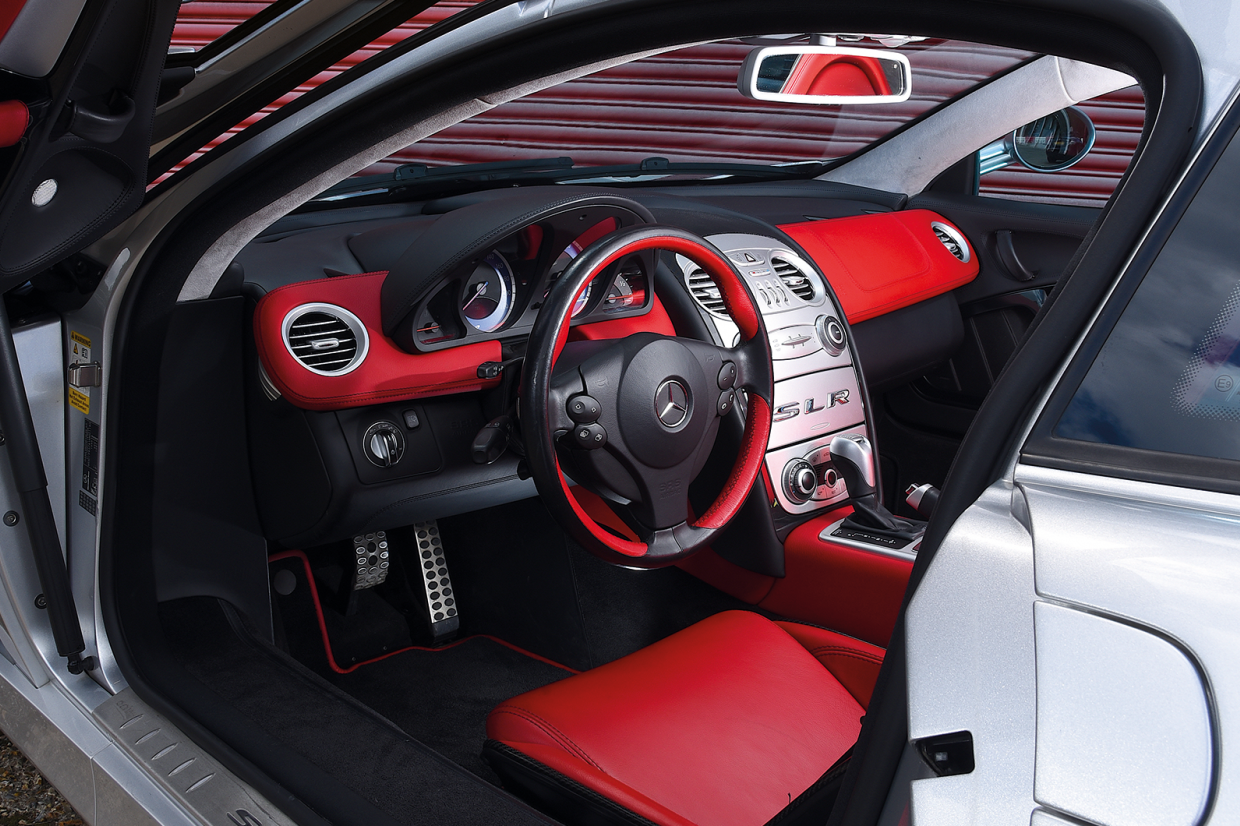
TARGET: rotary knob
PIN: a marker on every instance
(383, 444)
(800, 481)
(831, 334)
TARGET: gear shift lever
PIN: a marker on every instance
(853, 457)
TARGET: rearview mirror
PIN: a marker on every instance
(1050, 143)
(825, 74)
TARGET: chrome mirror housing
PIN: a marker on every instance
(825, 75)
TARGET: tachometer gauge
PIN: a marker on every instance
(558, 268)
(628, 288)
(489, 294)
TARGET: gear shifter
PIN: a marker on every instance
(853, 457)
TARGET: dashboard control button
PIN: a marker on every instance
(411, 419)
(727, 375)
(831, 333)
(590, 436)
(584, 409)
(726, 399)
(800, 481)
(383, 444)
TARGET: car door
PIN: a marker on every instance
(1076, 627)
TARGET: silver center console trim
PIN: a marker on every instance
(817, 389)
(907, 551)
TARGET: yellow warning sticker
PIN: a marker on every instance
(78, 338)
(79, 400)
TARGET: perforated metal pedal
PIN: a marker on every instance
(441, 608)
(373, 559)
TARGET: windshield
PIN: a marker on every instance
(683, 105)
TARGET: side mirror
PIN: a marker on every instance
(825, 74)
(1050, 143)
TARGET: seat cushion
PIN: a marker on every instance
(723, 723)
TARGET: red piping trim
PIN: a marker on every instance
(327, 644)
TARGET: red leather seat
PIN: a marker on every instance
(723, 723)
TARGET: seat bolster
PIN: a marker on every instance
(590, 777)
(853, 662)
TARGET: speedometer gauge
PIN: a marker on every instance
(488, 297)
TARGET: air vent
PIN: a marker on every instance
(953, 240)
(705, 293)
(326, 339)
(797, 282)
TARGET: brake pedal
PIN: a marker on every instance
(441, 608)
(373, 560)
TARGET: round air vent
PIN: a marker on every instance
(794, 278)
(326, 339)
(705, 293)
(953, 240)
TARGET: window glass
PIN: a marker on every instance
(200, 23)
(683, 105)
(1118, 118)
(1168, 376)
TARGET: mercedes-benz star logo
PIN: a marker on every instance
(671, 403)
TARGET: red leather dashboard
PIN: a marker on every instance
(875, 263)
(387, 373)
(880, 263)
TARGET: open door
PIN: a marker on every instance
(77, 97)
(79, 90)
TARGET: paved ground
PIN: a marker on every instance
(26, 799)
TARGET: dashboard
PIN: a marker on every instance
(379, 342)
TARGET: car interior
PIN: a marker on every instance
(571, 462)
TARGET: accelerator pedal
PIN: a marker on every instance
(442, 614)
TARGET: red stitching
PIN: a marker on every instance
(846, 652)
(548, 728)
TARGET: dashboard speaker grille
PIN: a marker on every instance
(797, 282)
(705, 293)
(326, 339)
(955, 244)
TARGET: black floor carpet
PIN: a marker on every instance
(442, 698)
(341, 758)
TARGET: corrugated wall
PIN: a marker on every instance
(684, 106)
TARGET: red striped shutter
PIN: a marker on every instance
(684, 106)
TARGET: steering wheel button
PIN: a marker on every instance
(584, 409)
(590, 436)
(727, 375)
(726, 400)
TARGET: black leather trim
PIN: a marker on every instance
(813, 806)
(462, 234)
(554, 793)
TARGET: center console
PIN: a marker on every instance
(817, 387)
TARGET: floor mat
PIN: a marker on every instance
(442, 697)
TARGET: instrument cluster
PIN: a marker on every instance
(498, 294)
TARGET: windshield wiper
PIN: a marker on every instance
(554, 170)
(417, 174)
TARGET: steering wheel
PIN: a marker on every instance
(634, 419)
